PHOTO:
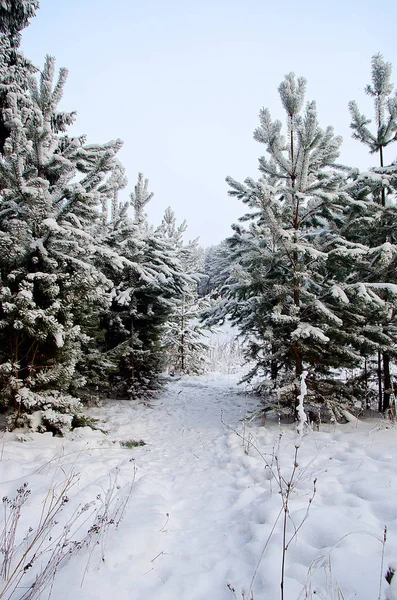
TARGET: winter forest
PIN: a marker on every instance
(195, 422)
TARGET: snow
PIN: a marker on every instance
(52, 224)
(204, 507)
(58, 336)
(323, 309)
(372, 176)
(391, 287)
(305, 330)
(25, 295)
(302, 416)
(338, 293)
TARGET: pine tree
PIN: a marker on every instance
(280, 293)
(86, 291)
(184, 336)
(377, 220)
(50, 191)
(145, 291)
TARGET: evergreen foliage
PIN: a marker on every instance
(146, 287)
(94, 299)
(49, 282)
(216, 269)
(374, 219)
(85, 289)
(295, 290)
(14, 16)
(184, 336)
(280, 253)
(311, 277)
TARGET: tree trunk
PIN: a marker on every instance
(182, 349)
(380, 393)
(183, 353)
(298, 356)
(367, 402)
(381, 407)
(132, 366)
(383, 193)
(387, 383)
(273, 367)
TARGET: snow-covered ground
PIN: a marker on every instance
(204, 515)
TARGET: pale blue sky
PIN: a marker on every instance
(182, 82)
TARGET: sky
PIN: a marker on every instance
(181, 82)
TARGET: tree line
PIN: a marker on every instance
(94, 299)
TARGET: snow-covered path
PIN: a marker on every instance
(193, 545)
(203, 506)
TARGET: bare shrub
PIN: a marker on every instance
(31, 563)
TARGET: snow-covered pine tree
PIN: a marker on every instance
(49, 205)
(184, 336)
(374, 220)
(146, 289)
(279, 293)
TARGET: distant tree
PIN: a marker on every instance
(184, 336)
(216, 268)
